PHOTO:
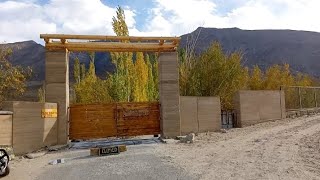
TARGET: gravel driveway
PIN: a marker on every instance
(284, 149)
(138, 162)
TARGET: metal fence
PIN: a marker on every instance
(299, 97)
(228, 119)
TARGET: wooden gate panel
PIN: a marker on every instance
(92, 121)
(114, 119)
(138, 119)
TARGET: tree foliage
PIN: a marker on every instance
(213, 73)
(90, 88)
(121, 81)
(12, 78)
(133, 79)
(141, 79)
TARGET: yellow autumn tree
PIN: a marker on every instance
(12, 78)
(256, 79)
(91, 89)
(141, 79)
(121, 81)
(155, 73)
(151, 88)
(213, 73)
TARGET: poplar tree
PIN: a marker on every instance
(151, 89)
(141, 79)
(256, 81)
(121, 81)
(76, 70)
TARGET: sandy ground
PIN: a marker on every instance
(284, 149)
(287, 149)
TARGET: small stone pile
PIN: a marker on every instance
(188, 139)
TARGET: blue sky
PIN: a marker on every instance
(26, 19)
(141, 8)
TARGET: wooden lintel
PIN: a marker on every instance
(111, 50)
(175, 42)
(111, 38)
(47, 40)
(110, 43)
(63, 41)
(112, 47)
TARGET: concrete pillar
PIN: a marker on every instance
(57, 88)
(169, 94)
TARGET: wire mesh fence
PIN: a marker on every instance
(298, 97)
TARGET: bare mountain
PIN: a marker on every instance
(300, 49)
(29, 53)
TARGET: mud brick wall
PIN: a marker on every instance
(254, 107)
(199, 114)
(29, 130)
(6, 128)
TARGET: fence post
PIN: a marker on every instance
(300, 101)
(315, 97)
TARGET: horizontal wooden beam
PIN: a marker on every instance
(108, 38)
(112, 47)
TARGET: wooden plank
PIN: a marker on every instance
(102, 37)
(99, 120)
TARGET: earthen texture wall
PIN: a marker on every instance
(169, 94)
(29, 130)
(5, 129)
(199, 114)
(254, 107)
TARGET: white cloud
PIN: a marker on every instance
(277, 14)
(80, 16)
(181, 16)
(22, 21)
(26, 19)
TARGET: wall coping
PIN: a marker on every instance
(6, 112)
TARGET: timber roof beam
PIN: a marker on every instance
(110, 43)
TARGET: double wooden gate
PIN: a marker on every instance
(115, 119)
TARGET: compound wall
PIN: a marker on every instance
(254, 107)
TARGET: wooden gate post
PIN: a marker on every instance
(57, 88)
(169, 94)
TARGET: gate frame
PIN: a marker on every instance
(57, 72)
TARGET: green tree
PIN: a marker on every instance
(91, 89)
(76, 70)
(121, 81)
(151, 88)
(119, 23)
(155, 71)
(213, 73)
(82, 71)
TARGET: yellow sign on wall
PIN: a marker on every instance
(49, 113)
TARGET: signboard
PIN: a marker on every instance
(135, 112)
(49, 113)
(104, 151)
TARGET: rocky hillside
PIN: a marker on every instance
(29, 53)
(300, 49)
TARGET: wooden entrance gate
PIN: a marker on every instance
(114, 119)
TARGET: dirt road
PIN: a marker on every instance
(287, 149)
(284, 149)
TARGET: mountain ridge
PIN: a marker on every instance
(300, 49)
